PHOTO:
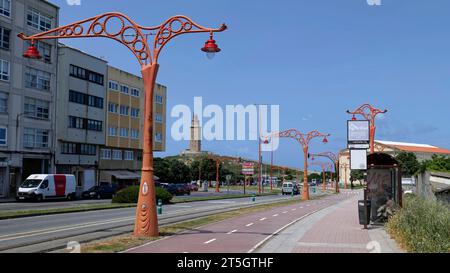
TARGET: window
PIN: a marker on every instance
(96, 102)
(4, 37)
(4, 70)
(117, 154)
(159, 99)
(113, 85)
(77, 123)
(158, 137)
(87, 149)
(106, 154)
(112, 131)
(124, 89)
(87, 75)
(35, 108)
(69, 148)
(113, 107)
(124, 132)
(94, 125)
(37, 79)
(134, 112)
(38, 21)
(35, 138)
(158, 118)
(5, 7)
(124, 110)
(134, 134)
(3, 136)
(128, 155)
(3, 103)
(85, 99)
(135, 92)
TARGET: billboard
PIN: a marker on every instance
(358, 135)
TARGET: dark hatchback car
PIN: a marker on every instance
(171, 188)
(183, 189)
(100, 192)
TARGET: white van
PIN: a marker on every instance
(289, 187)
(47, 186)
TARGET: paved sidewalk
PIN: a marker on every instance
(335, 229)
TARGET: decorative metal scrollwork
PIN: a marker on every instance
(122, 29)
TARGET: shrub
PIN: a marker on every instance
(422, 226)
(130, 195)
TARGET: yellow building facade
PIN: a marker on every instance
(121, 158)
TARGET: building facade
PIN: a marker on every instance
(121, 157)
(81, 114)
(27, 91)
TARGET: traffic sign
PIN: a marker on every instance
(248, 168)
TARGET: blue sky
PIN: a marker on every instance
(315, 58)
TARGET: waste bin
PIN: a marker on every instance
(364, 214)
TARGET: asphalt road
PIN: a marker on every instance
(53, 204)
(50, 232)
(243, 234)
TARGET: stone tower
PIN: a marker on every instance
(195, 145)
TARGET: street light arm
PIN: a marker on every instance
(101, 26)
(129, 33)
(175, 26)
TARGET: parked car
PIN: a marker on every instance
(193, 187)
(183, 189)
(100, 192)
(40, 187)
(171, 188)
(289, 187)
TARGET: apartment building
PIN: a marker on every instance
(27, 89)
(81, 114)
(121, 157)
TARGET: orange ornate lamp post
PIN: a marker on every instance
(134, 37)
(335, 159)
(369, 113)
(324, 167)
(304, 140)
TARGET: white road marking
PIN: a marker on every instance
(279, 230)
(285, 211)
(262, 219)
(231, 232)
(210, 241)
(293, 209)
(275, 215)
(251, 224)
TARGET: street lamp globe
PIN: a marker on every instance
(32, 52)
(211, 48)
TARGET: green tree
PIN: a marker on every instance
(408, 162)
(437, 163)
(356, 175)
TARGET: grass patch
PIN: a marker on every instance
(207, 198)
(27, 213)
(127, 241)
(421, 226)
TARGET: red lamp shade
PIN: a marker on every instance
(325, 140)
(266, 141)
(353, 118)
(32, 53)
(211, 48)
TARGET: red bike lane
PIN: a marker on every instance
(240, 234)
